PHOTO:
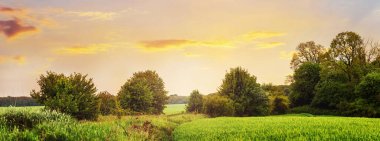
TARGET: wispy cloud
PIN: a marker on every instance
(93, 15)
(19, 59)
(260, 35)
(252, 37)
(266, 45)
(84, 49)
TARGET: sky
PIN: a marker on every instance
(191, 44)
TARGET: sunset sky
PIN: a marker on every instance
(190, 43)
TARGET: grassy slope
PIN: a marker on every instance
(288, 127)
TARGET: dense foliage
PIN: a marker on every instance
(144, 92)
(248, 97)
(344, 81)
(305, 78)
(73, 95)
(215, 105)
(107, 103)
(195, 102)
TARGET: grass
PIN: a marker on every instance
(30, 108)
(174, 109)
(178, 126)
(144, 127)
(288, 127)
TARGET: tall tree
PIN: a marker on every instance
(348, 48)
(306, 78)
(154, 85)
(307, 52)
(247, 95)
(195, 102)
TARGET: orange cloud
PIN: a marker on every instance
(15, 24)
(11, 28)
(158, 45)
(165, 43)
(9, 59)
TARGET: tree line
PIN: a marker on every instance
(343, 79)
(18, 101)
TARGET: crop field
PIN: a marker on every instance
(174, 109)
(288, 127)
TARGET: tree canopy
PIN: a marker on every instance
(74, 94)
(248, 97)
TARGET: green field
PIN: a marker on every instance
(178, 126)
(174, 109)
(289, 127)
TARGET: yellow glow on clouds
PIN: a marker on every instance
(84, 49)
(12, 59)
(167, 44)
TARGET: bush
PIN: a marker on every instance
(248, 97)
(73, 95)
(279, 104)
(107, 103)
(195, 102)
(215, 105)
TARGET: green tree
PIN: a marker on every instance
(195, 102)
(307, 52)
(136, 96)
(348, 48)
(215, 105)
(144, 92)
(369, 88)
(74, 95)
(248, 97)
(279, 104)
(107, 103)
(306, 77)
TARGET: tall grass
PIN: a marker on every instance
(26, 124)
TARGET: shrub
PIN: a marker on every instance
(248, 97)
(279, 104)
(107, 103)
(73, 95)
(215, 105)
(195, 102)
